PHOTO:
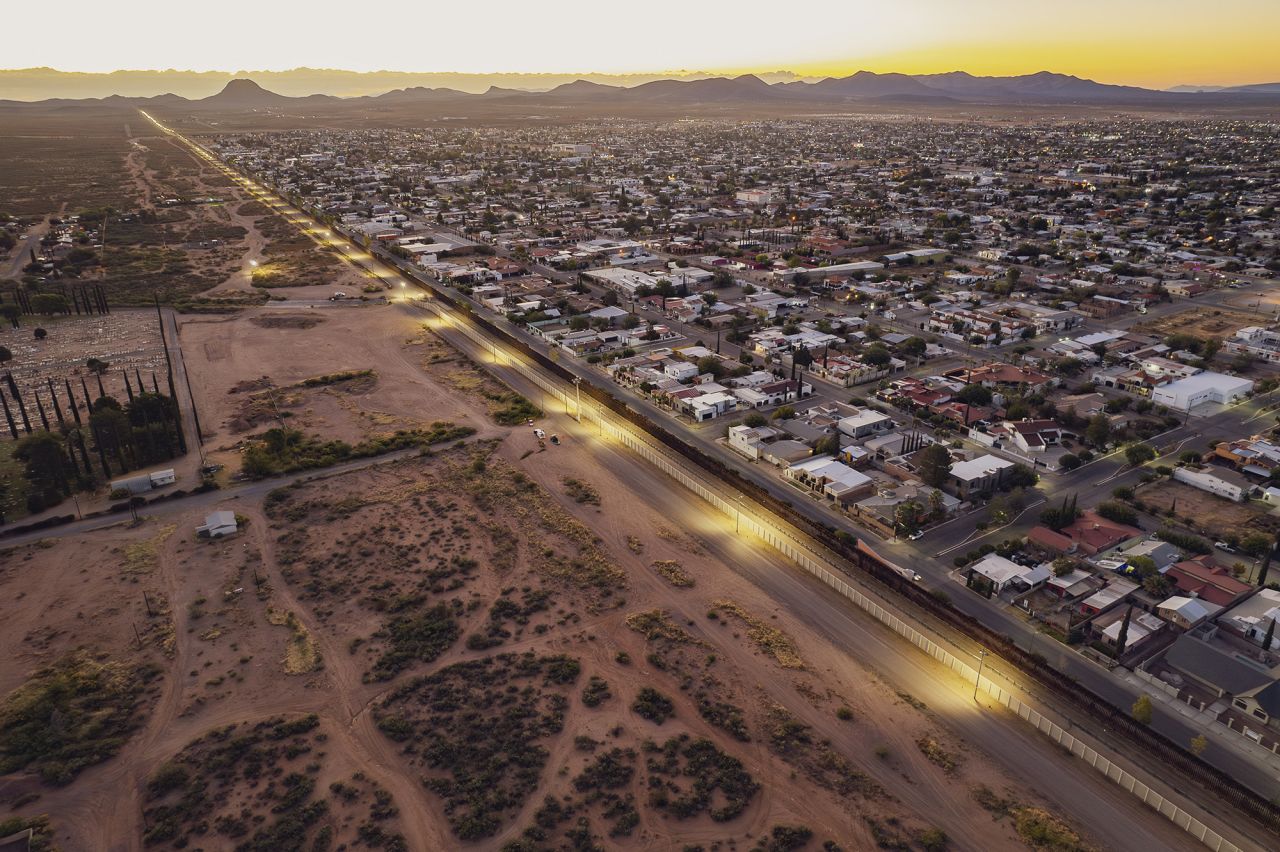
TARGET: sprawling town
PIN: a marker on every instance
(1035, 362)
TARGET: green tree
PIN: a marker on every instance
(49, 303)
(1098, 431)
(46, 468)
(1000, 511)
(933, 463)
(974, 395)
(937, 506)
(913, 347)
(906, 517)
(876, 355)
(1198, 744)
(1255, 544)
(5, 355)
(1118, 512)
(711, 364)
(1142, 709)
(1138, 454)
(827, 445)
(1122, 639)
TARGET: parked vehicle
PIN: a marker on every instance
(539, 434)
(555, 439)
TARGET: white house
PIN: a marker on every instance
(1185, 394)
(981, 474)
(748, 440)
(864, 422)
(1185, 612)
(217, 524)
(1003, 572)
(832, 478)
(1215, 480)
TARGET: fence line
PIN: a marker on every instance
(824, 569)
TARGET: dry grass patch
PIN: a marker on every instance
(765, 637)
(673, 572)
(141, 557)
(1038, 828)
(656, 624)
(947, 761)
(301, 656)
(301, 322)
(580, 491)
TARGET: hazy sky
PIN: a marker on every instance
(1144, 42)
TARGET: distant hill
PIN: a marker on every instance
(684, 95)
(1255, 89)
(243, 94)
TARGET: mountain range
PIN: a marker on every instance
(957, 87)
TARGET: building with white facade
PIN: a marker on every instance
(1185, 394)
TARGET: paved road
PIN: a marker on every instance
(196, 501)
(21, 254)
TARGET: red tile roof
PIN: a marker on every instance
(1207, 580)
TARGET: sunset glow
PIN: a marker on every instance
(1142, 42)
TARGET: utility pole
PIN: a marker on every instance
(577, 387)
(982, 658)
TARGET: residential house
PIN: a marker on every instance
(983, 474)
(1208, 581)
(1255, 456)
(1186, 612)
(1092, 533)
(1117, 590)
(1032, 436)
(218, 524)
(1003, 573)
(1143, 626)
(750, 440)
(1251, 618)
(1223, 482)
(831, 478)
(1224, 673)
(865, 422)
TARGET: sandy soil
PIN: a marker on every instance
(1216, 516)
(291, 616)
(276, 346)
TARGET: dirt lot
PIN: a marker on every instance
(247, 367)
(1214, 516)
(369, 580)
(1199, 322)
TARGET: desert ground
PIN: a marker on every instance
(498, 643)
